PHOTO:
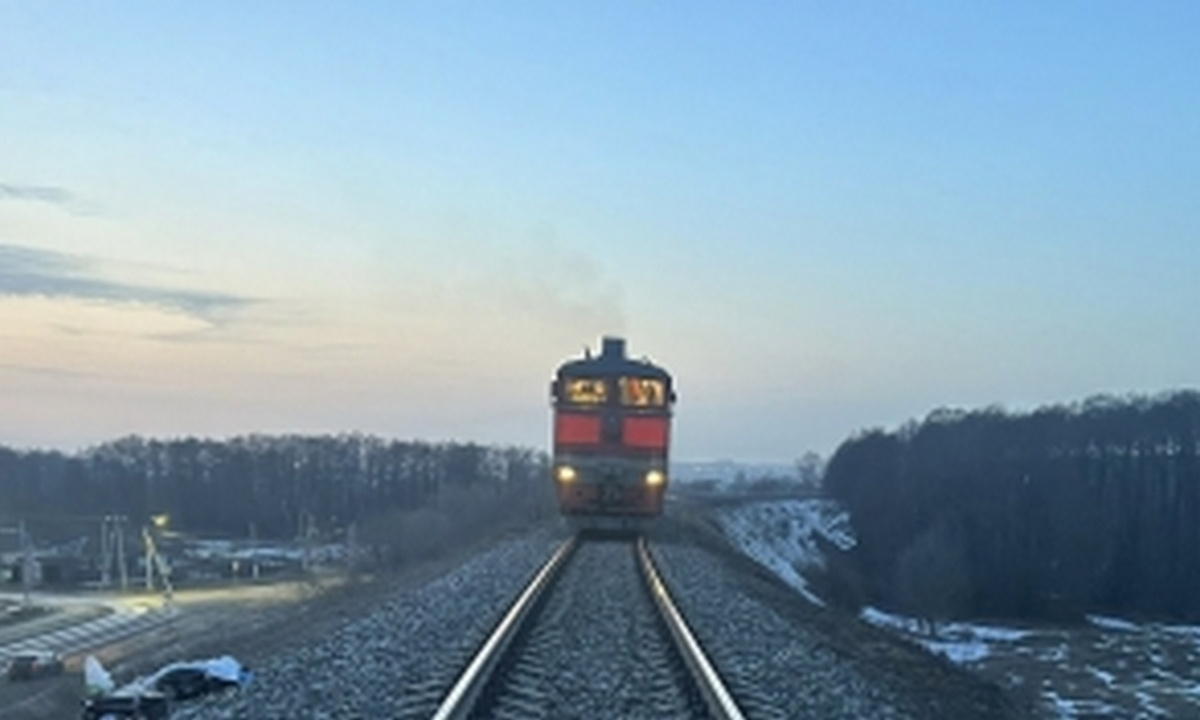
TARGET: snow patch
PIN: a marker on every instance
(1150, 708)
(959, 653)
(1111, 623)
(1190, 631)
(1103, 676)
(890, 621)
(1070, 709)
(959, 642)
(784, 536)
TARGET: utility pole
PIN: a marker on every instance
(105, 554)
(306, 532)
(26, 563)
(156, 562)
(254, 551)
(148, 543)
(112, 549)
(122, 567)
(25, 548)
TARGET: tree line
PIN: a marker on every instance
(1065, 510)
(271, 486)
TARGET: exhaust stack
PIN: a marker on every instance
(612, 347)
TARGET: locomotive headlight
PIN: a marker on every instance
(565, 473)
(654, 478)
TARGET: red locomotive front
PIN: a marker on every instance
(612, 429)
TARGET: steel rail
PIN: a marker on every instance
(716, 696)
(459, 702)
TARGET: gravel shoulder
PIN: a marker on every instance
(392, 657)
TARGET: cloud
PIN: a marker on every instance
(37, 193)
(26, 271)
(46, 371)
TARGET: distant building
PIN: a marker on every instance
(46, 570)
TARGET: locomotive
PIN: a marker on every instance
(612, 427)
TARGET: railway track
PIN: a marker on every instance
(73, 636)
(594, 634)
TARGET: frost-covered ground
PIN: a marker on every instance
(785, 536)
(1109, 668)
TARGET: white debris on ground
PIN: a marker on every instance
(783, 536)
(224, 668)
(97, 681)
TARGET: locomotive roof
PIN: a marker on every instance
(612, 361)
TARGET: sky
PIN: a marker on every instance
(398, 218)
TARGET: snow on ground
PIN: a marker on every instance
(1110, 623)
(1109, 668)
(783, 536)
(264, 550)
(1190, 633)
(1070, 709)
(1105, 668)
(959, 642)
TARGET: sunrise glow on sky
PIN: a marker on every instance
(398, 217)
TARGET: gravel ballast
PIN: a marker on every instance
(781, 656)
(774, 668)
(786, 657)
(596, 649)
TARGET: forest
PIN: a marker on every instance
(1091, 507)
(403, 497)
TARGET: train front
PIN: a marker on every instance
(612, 427)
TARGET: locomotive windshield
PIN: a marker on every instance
(643, 392)
(585, 391)
(637, 392)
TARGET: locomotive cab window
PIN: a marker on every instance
(643, 392)
(585, 391)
